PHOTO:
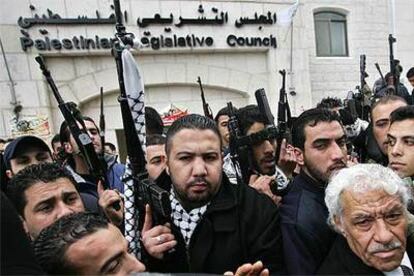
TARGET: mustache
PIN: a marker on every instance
(268, 157)
(199, 180)
(378, 247)
(339, 163)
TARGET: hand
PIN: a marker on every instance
(157, 240)
(250, 270)
(287, 158)
(262, 185)
(107, 198)
(351, 160)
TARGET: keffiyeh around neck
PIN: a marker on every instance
(187, 222)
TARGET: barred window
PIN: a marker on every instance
(331, 34)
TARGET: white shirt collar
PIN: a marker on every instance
(398, 271)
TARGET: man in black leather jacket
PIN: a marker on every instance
(215, 226)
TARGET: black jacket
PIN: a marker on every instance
(307, 237)
(343, 261)
(239, 226)
(17, 257)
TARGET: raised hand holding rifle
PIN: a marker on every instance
(288, 162)
(283, 114)
(235, 150)
(284, 152)
(73, 117)
(206, 107)
(139, 191)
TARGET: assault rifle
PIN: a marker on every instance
(364, 91)
(393, 63)
(284, 117)
(235, 151)
(148, 191)
(206, 107)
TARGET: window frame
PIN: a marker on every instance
(344, 20)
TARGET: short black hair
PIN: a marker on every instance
(29, 176)
(410, 73)
(52, 243)
(385, 100)
(111, 146)
(247, 116)
(402, 113)
(330, 102)
(388, 75)
(222, 112)
(64, 131)
(155, 139)
(311, 117)
(55, 139)
(192, 121)
(153, 121)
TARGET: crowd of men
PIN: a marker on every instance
(333, 199)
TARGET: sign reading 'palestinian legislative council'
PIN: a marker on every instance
(215, 18)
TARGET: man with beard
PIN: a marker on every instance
(222, 121)
(260, 158)
(320, 147)
(215, 226)
(367, 207)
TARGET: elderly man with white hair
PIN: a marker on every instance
(367, 206)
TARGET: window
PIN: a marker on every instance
(330, 32)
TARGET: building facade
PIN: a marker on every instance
(235, 47)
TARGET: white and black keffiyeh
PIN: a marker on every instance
(187, 222)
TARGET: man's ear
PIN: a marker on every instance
(9, 174)
(26, 228)
(338, 225)
(299, 156)
(167, 168)
(68, 147)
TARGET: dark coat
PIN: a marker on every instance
(307, 237)
(341, 260)
(17, 257)
(239, 226)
